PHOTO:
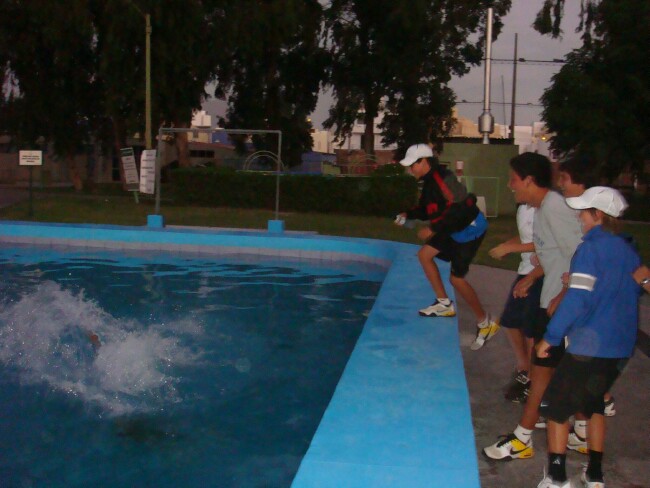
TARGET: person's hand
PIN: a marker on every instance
(565, 279)
(424, 233)
(521, 288)
(542, 349)
(641, 273)
(400, 219)
(555, 302)
(534, 260)
(499, 251)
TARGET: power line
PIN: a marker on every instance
(530, 62)
(465, 102)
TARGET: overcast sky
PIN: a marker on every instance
(531, 79)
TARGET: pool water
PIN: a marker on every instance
(168, 370)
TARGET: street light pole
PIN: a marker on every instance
(147, 130)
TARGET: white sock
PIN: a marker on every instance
(444, 301)
(485, 322)
(580, 428)
(523, 434)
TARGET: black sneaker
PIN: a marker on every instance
(517, 391)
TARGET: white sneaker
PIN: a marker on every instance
(590, 484)
(577, 443)
(541, 422)
(437, 309)
(510, 447)
(548, 482)
(484, 334)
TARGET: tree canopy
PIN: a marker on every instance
(599, 102)
(275, 68)
(399, 56)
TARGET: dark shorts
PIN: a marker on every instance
(521, 313)
(579, 385)
(555, 354)
(459, 254)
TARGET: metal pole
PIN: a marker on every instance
(277, 178)
(31, 205)
(486, 121)
(158, 166)
(147, 130)
(514, 93)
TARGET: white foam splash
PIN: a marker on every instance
(44, 339)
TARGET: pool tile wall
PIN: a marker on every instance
(400, 415)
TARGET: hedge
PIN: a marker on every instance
(359, 195)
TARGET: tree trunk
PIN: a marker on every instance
(183, 150)
(119, 140)
(73, 171)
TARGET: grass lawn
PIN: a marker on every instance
(122, 210)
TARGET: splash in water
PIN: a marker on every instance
(55, 337)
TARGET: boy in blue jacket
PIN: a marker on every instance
(598, 316)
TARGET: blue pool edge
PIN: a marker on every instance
(400, 415)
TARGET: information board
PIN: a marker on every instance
(130, 170)
(148, 171)
(30, 158)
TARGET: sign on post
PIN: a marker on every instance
(30, 158)
(130, 170)
(148, 171)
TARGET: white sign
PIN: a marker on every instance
(30, 158)
(148, 171)
(129, 167)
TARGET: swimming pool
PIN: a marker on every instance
(403, 388)
(210, 371)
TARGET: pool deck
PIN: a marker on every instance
(403, 393)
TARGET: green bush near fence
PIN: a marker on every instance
(368, 195)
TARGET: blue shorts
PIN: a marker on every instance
(521, 313)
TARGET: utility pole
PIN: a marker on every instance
(486, 121)
(514, 93)
(147, 130)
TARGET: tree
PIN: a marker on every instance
(599, 102)
(274, 75)
(183, 59)
(50, 66)
(399, 56)
(76, 68)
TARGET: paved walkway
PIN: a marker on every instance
(489, 369)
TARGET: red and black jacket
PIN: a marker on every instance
(444, 202)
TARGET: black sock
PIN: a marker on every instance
(595, 468)
(557, 467)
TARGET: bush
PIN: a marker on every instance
(370, 195)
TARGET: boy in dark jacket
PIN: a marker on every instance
(455, 232)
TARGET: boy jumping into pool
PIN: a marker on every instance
(455, 232)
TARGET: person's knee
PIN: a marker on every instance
(426, 254)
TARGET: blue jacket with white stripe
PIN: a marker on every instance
(599, 313)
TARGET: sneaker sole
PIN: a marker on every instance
(581, 450)
(508, 458)
(446, 314)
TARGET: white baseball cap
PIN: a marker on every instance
(415, 153)
(603, 198)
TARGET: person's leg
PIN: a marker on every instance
(425, 256)
(467, 292)
(596, 433)
(596, 443)
(556, 439)
(540, 376)
(521, 346)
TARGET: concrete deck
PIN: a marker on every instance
(627, 448)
